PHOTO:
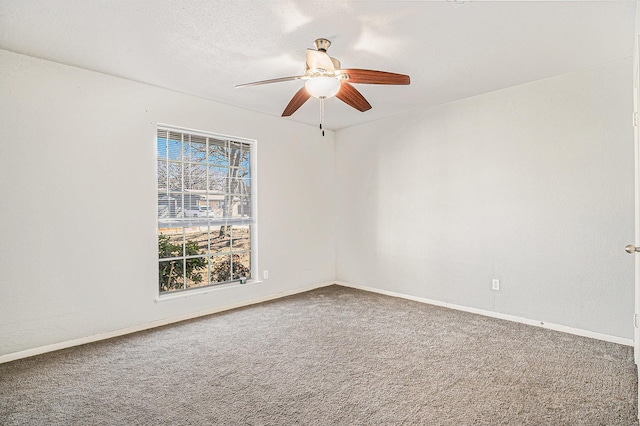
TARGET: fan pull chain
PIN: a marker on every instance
(322, 114)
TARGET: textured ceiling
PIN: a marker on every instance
(451, 50)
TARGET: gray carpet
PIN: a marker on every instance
(332, 356)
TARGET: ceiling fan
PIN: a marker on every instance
(325, 79)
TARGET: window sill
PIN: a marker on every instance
(204, 290)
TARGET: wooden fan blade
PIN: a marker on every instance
(273, 80)
(317, 59)
(350, 96)
(375, 77)
(296, 102)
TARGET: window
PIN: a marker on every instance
(205, 209)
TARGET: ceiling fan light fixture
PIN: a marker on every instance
(325, 78)
(322, 87)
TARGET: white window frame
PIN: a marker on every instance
(186, 222)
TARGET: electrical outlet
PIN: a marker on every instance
(265, 274)
(495, 284)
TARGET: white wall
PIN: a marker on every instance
(532, 185)
(78, 250)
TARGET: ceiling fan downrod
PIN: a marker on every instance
(322, 44)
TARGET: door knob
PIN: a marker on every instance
(631, 248)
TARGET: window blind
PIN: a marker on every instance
(203, 179)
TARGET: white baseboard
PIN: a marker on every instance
(536, 323)
(140, 327)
